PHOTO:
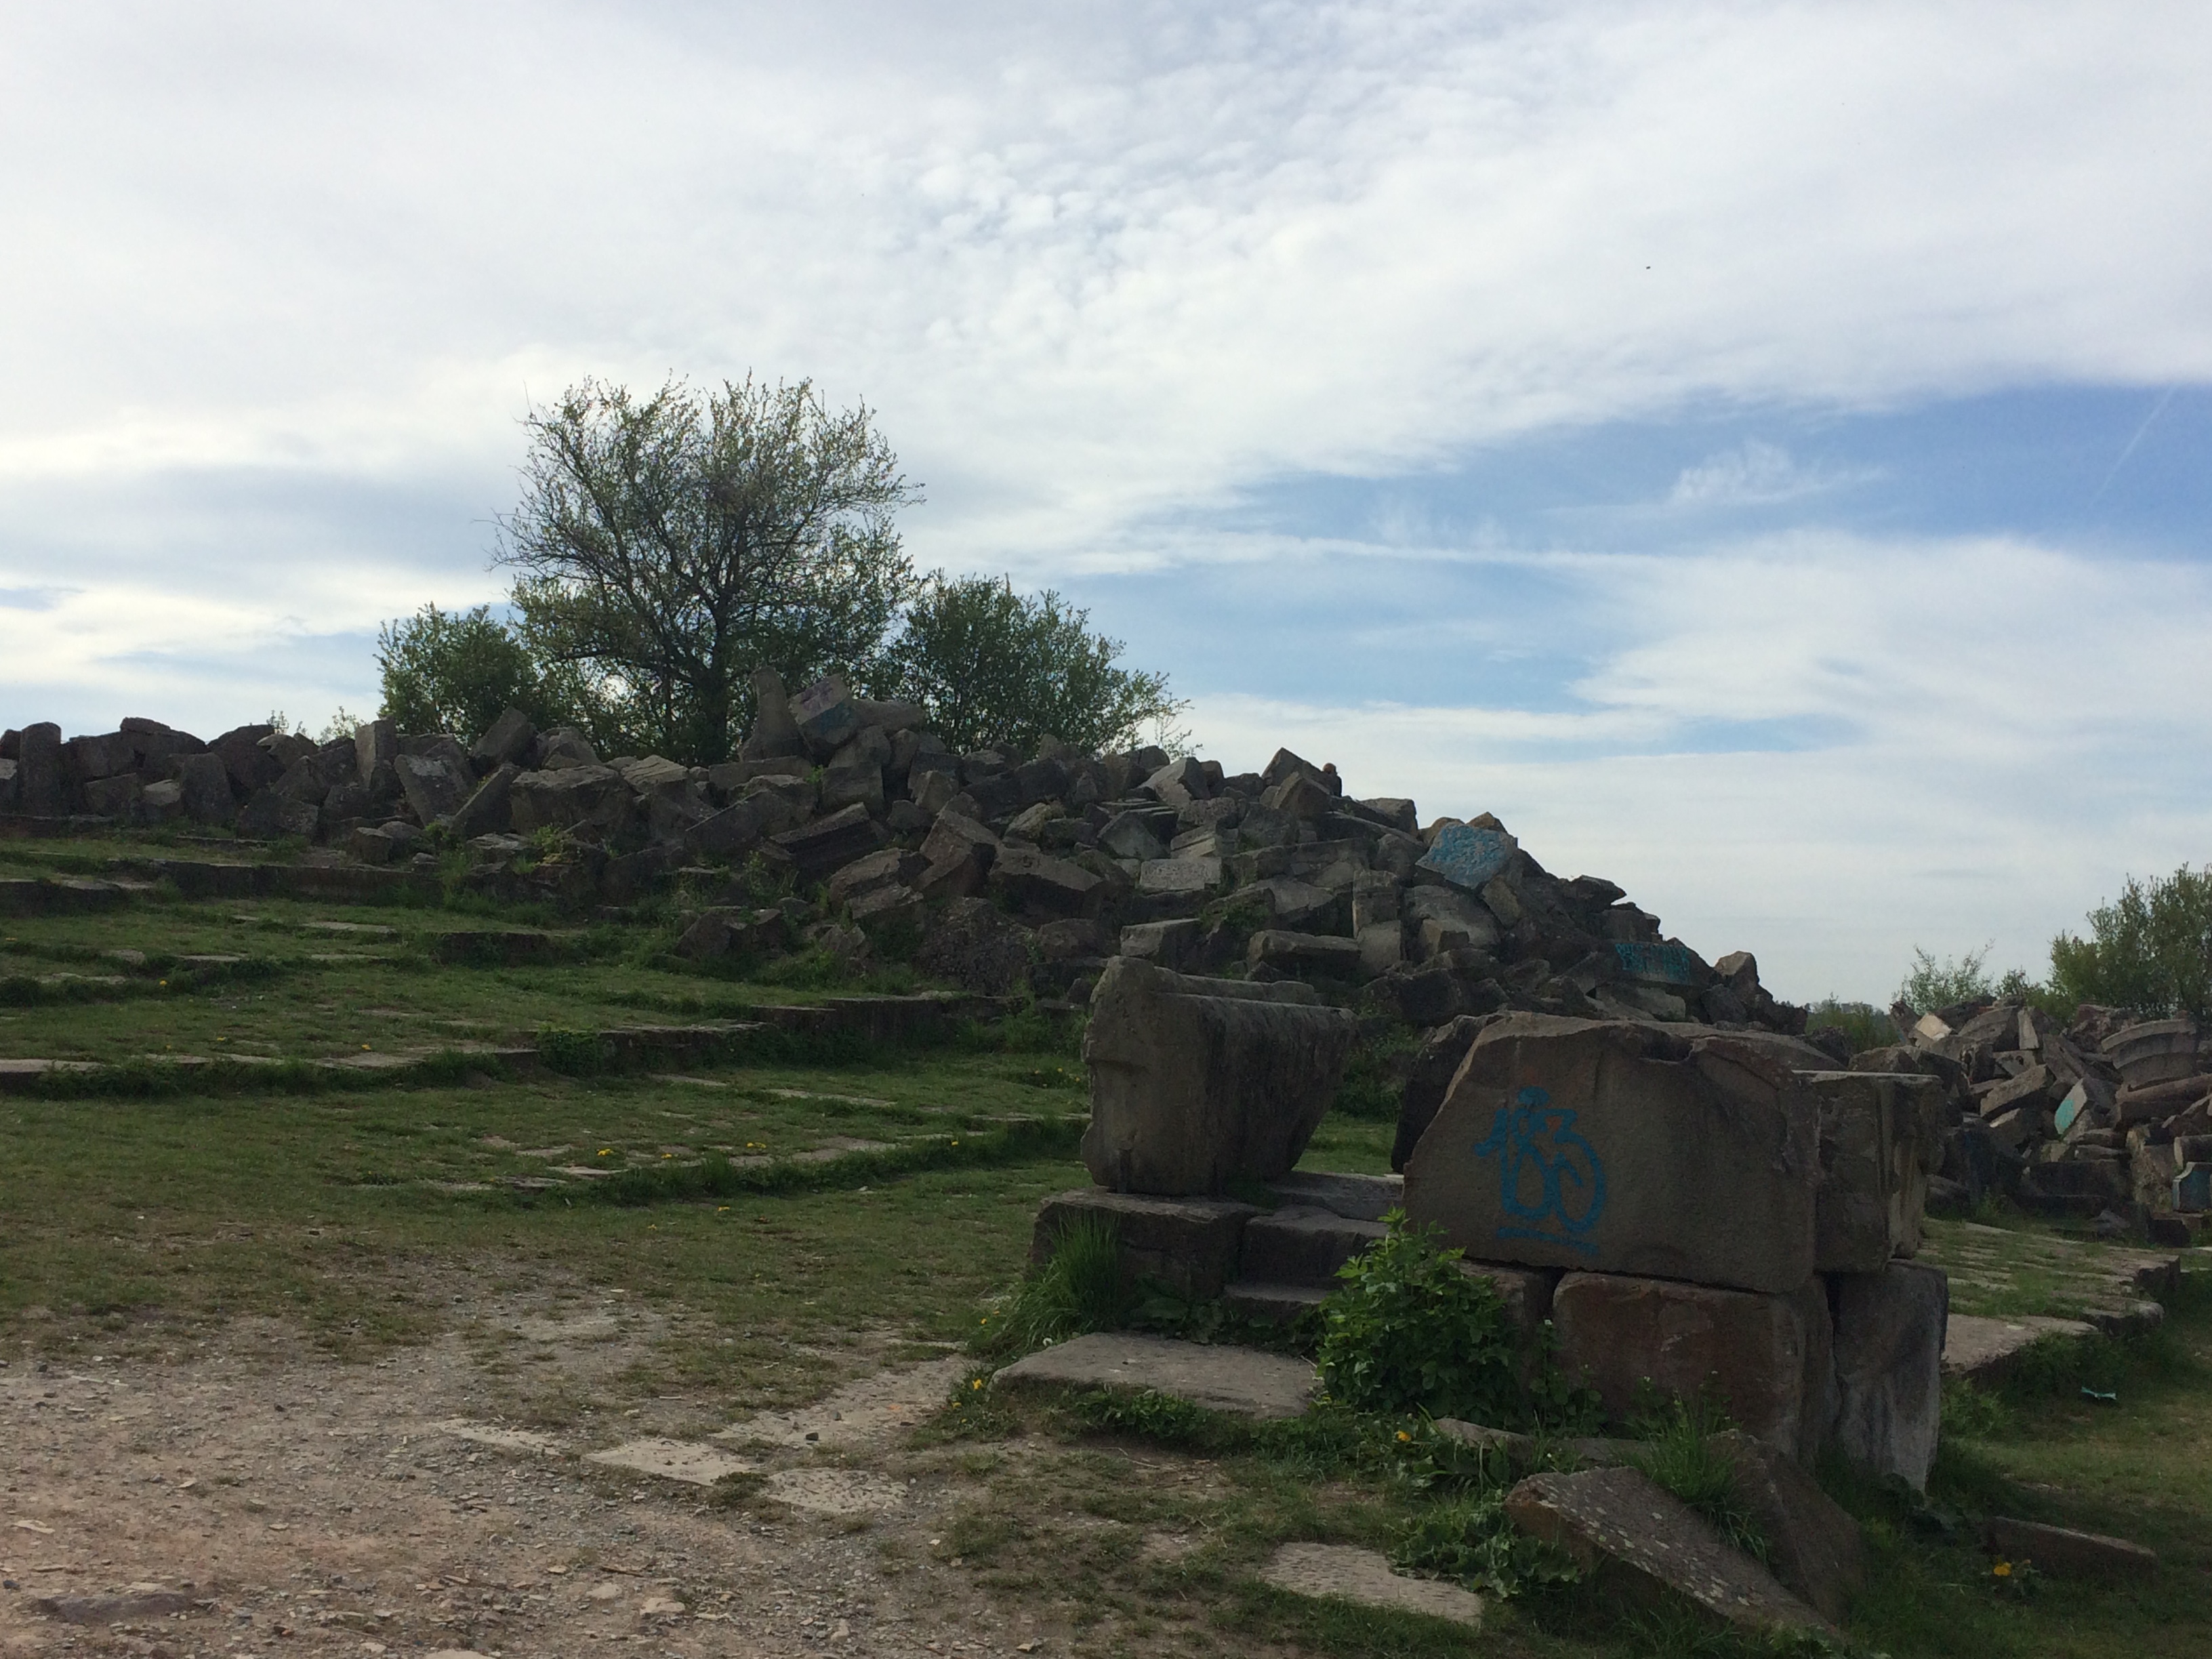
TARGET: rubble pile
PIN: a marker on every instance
(1002, 872)
(2107, 1117)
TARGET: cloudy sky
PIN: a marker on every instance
(1759, 450)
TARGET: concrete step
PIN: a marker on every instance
(1277, 1305)
(1303, 1244)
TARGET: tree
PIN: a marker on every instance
(2151, 952)
(1932, 983)
(456, 671)
(666, 547)
(994, 667)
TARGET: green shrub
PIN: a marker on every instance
(1409, 1332)
(572, 1054)
(1468, 1538)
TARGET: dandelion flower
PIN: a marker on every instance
(2002, 1570)
(1402, 1435)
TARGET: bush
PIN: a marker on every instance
(1409, 1332)
(1469, 1538)
(2150, 952)
(456, 671)
(994, 666)
(1864, 1025)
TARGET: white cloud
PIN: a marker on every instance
(1754, 473)
(2003, 733)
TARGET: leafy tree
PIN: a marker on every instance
(456, 670)
(668, 545)
(994, 666)
(2151, 952)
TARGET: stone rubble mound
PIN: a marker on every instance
(2108, 1118)
(1001, 872)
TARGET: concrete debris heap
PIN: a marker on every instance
(1002, 872)
(2107, 1120)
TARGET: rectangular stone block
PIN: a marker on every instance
(1890, 1327)
(39, 769)
(1767, 1359)
(1878, 1133)
(1301, 1245)
(1191, 1244)
(1619, 1147)
(1197, 1084)
(1527, 1292)
(1356, 1197)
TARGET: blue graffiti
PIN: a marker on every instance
(1548, 1177)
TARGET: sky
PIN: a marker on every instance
(1759, 450)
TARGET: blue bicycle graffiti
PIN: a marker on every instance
(1547, 1173)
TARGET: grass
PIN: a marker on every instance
(776, 1199)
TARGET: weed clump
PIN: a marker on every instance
(1079, 1289)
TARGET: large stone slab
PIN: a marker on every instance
(1616, 1146)
(1343, 1572)
(1813, 1545)
(1642, 1543)
(2065, 1553)
(1767, 1359)
(1980, 1349)
(1468, 857)
(1889, 1329)
(1300, 1244)
(1196, 1083)
(1243, 1381)
(39, 769)
(1881, 1138)
(1191, 1244)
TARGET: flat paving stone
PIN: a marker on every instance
(1243, 1381)
(869, 1411)
(1343, 1573)
(834, 1491)
(689, 1461)
(1980, 1349)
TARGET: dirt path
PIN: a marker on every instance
(258, 1500)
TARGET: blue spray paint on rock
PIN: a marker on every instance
(1548, 1177)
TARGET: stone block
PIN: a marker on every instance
(112, 798)
(1527, 1292)
(1813, 1545)
(775, 732)
(11, 795)
(565, 796)
(729, 834)
(1767, 1359)
(250, 766)
(39, 769)
(1298, 796)
(1381, 946)
(1880, 1140)
(1299, 1244)
(1041, 886)
(435, 784)
(881, 868)
(823, 716)
(268, 815)
(858, 782)
(1428, 1078)
(1890, 1330)
(830, 842)
(509, 738)
(104, 754)
(490, 807)
(1467, 857)
(891, 904)
(1640, 1543)
(1178, 878)
(1441, 919)
(1619, 1147)
(1196, 1083)
(1355, 1197)
(2153, 1051)
(1191, 1244)
(1345, 1572)
(204, 785)
(1292, 953)
(375, 743)
(1173, 945)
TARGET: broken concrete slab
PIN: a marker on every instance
(1245, 1381)
(2065, 1553)
(692, 1462)
(108, 1609)
(1196, 1083)
(1981, 1350)
(1619, 1147)
(1639, 1541)
(1343, 1572)
(867, 1411)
